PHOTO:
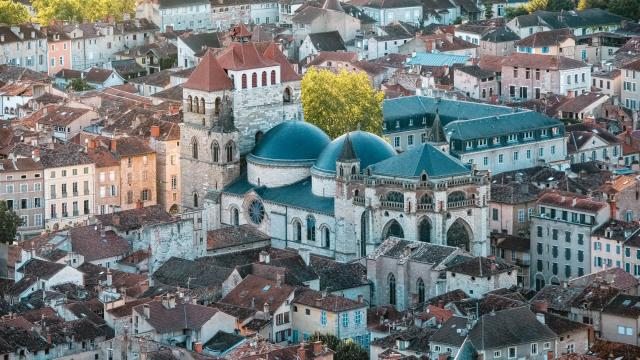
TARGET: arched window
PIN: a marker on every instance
(421, 292)
(456, 196)
(356, 192)
(273, 77)
(326, 237)
(215, 151)
(189, 104)
(341, 171)
(297, 231)
(353, 170)
(202, 107)
(229, 150)
(364, 220)
(311, 228)
(264, 78)
(254, 80)
(196, 105)
(235, 216)
(423, 177)
(217, 106)
(244, 81)
(194, 148)
(395, 196)
(426, 199)
(195, 200)
(286, 97)
(392, 289)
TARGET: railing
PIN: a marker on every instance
(393, 205)
(461, 203)
(358, 200)
(425, 207)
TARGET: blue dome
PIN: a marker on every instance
(368, 148)
(291, 141)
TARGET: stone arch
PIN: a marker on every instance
(424, 230)
(539, 281)
(325, 232)
(234, 216)
(229, 150)
(217, 106)
(423, 177)
(190, 104)
(297, 230)
(173, 209)
(196, 105)
(215, 151)
(421, 290)
(194, 148)
(554, 280)
(391, 285)
(364, 229)
(393, 228)
(202, 106)
(353, 170)
(456, 196)
(459, 234)
(287, 95)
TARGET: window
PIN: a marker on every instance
(421, 291)
(539, 231)
(345, 320)
(311, 228)
(521, 215)
(512, 353)
(323, 318)
(494, 214)
(358, 317)
(396, 141)
(497, 354)
(392, 289)
(500, 158)
(515, 155)
(534, 349)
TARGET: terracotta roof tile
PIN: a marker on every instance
(208, 76)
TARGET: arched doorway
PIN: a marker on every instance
(173, 209)
(424, 230)
(540, 283)
(364, 224)
(393, 228)
(459, 235)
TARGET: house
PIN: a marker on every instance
(526, 76)
(621, 320)
(65, 122)
(178, 15)
(513, 250)
(616, 277)
(413, 341)
(573, 337)
(273, 298)
(561, 232)
(16, 95)
(103, 78)
(475, 82)
(150, 84)
(316, 312)
(416, 280)
(316, 42)
(24, 45)
(587, 105)
(107, 181)
(620, 193)
(588, 143)
(98, 246)
(23, 191)
(34, 274)
(443, 12)
(607, 81)
(127, 69)
(386, 12)
(630, 95)
(498, 41)
(68, 185)
(172, 320)
(332, 16)
(154, 57)
(444, 43)
(560, 42)
(479, 275)
(582, 22)
(499, 8)
(389, 39)
(191, 47)
(59, 50)
(235, 239)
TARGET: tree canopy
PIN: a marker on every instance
(13, 13)
(339, 103)
(344, 350)
(79, 85)
(81, 10)
(9, 223)
(512, 12)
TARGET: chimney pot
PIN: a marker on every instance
(114, 145)
(155, 131)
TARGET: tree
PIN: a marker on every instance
(627, 8)
(339, 103)
(81, 10)
(79, 85)
(488, 10)
(557, 5)
(535, 5)
(9, 223)
(590, 4)
(512, 12)
(13, 13)
(344, 350)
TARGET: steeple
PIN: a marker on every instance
(348, 154)
(240, 33)
(437, 132)
(332, 5)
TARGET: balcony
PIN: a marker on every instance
(394, 205)
(75, 193)
(358, 200)
(461, 204)
(425, 207)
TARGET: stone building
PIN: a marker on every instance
(23, 190)
(107, 179)
(137, 171)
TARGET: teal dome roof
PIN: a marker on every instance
(291, 141)
(368, 148)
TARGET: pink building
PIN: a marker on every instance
(59, 54)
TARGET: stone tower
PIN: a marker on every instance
(347, 191)
(209, 153)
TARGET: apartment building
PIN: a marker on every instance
(23, 45)
(137, 172)
(630, 94)
(59, 50)
(68, 185)
(107, 179)
(561, 232)
(165, 142)
(22, 188)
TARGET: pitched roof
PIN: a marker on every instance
(94, 245)
(481, 266)
(452, 332)
(508, 328)
(243, 235)
(546, 38)
(421, 159)
(571, 201)
(208, 76)
(545, 62)
(243, 56)
(562, 325)
(255, 291)
(330, 302)
(417, 251)
(580, 102)
(327, 41)
(136, 218)
(97, 75)
(181, 316)
(197, 42)
(624, 305)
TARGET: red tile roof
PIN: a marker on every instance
(243, 56)
(287, 72)
(208, 76)
(538, 61)
(570, 201)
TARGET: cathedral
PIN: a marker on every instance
(249, 159)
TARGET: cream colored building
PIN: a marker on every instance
(68, 186)
(165, 141)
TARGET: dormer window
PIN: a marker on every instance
(496, 140)
(397, 124)
(468, 144)
(512, 138)
(527, 135)
(543, 132)
(482, 142)
(554, 130)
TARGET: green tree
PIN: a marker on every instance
(81, 10)
(557, 5)
(13, 13)
(344, 350)
(457, 21)
(535, 5)
(9, 223)
(488, 9)
(590, 4)
(512, 12)
(339, 103)
(79, 85)
(627, 8)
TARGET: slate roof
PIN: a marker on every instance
(512, 242)
(330, 302)
(386, 4)
(90, 243)
(327, 41)
(257, 291)
(127, 67)
(562, 325)
(12, 340)
(40, 268)
(546, 38)
(608, 349)
(500, 34)
(197, 42)
(62, 116)
(421, 159)
(194, 273)
(481, 266)
(418, 339)
(223, 341)
(544, 62)
(234, 236)
(558, 298)
(623, 305)
(499, 125)
(182, 316)
(508, 328)
(297, 195)
(159, 79)
(416, 251)
(476, 71)
(336, 276)
(174, 93)
(136, 218)
(488, 304)
(448, 333)
(97, 75)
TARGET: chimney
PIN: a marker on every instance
(265, 308)
(540, 317)
(109, 278)
(113, 145)
(116, 219)
(155, 131)
(279, 278)
(317, 347)
(35, 155)
(301, 352)
(146, 310)
(360, 299)
(540, 306)
(305, 254)
(265, 258)
(197, 347)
